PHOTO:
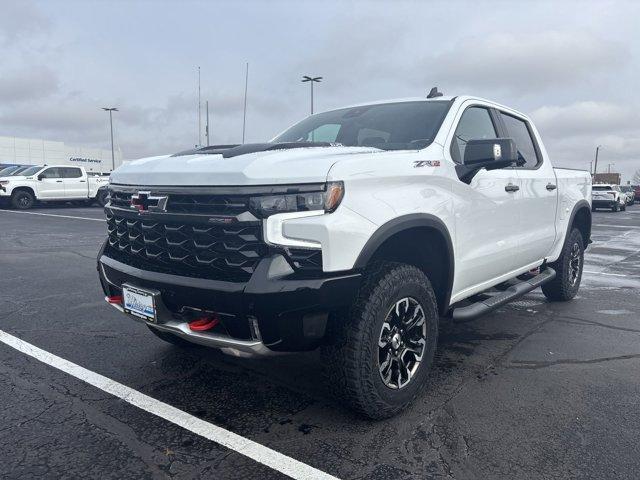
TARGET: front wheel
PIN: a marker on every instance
(379, 357)
(568, 270)
(22, 200)
(102, 198)
(615, 208)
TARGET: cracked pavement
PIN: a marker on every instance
(534, 390)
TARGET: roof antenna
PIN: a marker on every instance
(434, 93)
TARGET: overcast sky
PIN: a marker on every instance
(574, 67)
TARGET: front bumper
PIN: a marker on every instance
(277, 310)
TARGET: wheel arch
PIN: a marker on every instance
(581, 219)
(24, 189)
(434, 255)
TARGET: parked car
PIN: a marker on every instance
(8, 170)
(630, 193)
(51, 183)
(355, 231)
(636, 191)
(609, 196)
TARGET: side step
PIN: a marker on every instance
(510, 294)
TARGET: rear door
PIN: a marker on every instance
(539, 191)
(75, 183)
(486, 209)
(50, 184)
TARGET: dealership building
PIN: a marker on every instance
(31, 151)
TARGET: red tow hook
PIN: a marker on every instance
(203, 324)
(117, 299)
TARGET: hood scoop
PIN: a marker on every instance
(229, 151)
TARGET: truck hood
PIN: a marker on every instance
(298, 165)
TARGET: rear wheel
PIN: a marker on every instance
(379, 357)
(22, 200)
(568, 270)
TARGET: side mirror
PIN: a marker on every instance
(490, 153)
(40, 177)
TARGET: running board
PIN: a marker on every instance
(510, 294)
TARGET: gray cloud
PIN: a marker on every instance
(20, 20)
(518, 62)
(28, 84)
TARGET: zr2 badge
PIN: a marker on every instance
(426, 163)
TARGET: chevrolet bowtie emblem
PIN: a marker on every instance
(144, 202)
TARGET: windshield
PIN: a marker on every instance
(19, 171)
(29, 171)
(7, 170)
(626, 189)
(602, 188)
(390, 126)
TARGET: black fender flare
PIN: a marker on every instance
(406, 222)
(580, 205)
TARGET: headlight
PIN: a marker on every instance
(328, 200)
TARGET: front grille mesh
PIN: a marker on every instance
(225, 252)
(228, 252)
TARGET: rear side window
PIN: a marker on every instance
(520, 132)
(475, 124)
(71, 172)
(51, 173)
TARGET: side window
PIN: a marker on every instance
(51, 173)
(324, 133)
(71, 172)
(519, 131)
(474, 124)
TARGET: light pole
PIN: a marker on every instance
(111, 110)
(312, 80)
(595, 167)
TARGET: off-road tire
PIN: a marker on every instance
(350, 356)
(623, 207)
(22, 200)
(171, 338)
(615, 208)
(563, 288)
(101, 198)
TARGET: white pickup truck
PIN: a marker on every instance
(356, 230)
(53, 183)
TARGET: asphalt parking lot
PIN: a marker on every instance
(535, 390)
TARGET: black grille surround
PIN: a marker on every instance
(201, 234)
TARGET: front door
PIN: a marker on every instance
(486, 211)
(50, 184)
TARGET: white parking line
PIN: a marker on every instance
(609, 274)
(54, 215)
(264, 455)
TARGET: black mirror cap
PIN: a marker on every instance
(483, 152)
(40, 177)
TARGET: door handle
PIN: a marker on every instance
(511, 188)
(551, 186)
(83, 181)
(58, 181)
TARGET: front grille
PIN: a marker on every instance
(186, 244)
(192, 204)
(224, 252)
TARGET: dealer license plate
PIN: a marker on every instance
(138, 302)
